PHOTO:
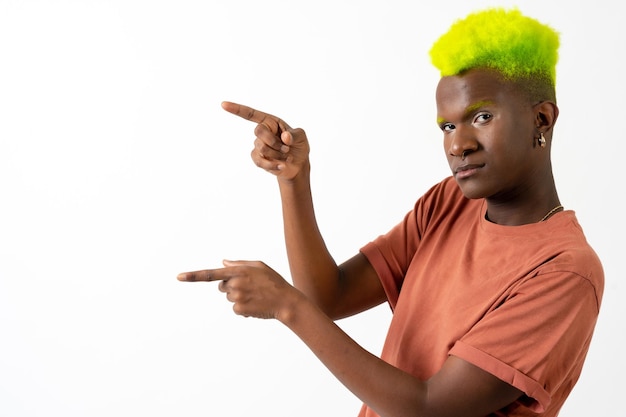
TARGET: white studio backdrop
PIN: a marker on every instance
(118, 170)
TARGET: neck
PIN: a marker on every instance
(525, 208)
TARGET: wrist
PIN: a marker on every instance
(292, 308)
(302, 176)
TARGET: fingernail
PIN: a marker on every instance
(182, 277)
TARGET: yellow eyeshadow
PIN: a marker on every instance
(478, 105)
(469, 109)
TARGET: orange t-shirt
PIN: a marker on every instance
(520, 302)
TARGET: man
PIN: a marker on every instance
(494, 289)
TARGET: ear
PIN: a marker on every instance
(546, 113)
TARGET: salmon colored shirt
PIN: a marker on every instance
(520, 302)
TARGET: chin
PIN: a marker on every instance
(470, 190)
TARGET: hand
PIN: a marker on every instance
(278, 148)
(254, 288)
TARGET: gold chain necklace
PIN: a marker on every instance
(551, 212)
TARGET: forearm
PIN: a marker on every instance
(386, 389)
(313, 269)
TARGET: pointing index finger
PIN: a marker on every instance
(274, 123)
(204, 275)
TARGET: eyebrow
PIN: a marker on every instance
(477, 105)
(469, 109)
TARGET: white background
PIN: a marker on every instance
(118, 170)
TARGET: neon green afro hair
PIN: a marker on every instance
(515, 45)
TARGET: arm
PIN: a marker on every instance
(284, 152)
(458, 389)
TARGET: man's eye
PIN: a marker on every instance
(483, 117)
(447, 127)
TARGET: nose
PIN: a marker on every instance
(461, 143)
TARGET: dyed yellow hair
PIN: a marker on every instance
(515, 45)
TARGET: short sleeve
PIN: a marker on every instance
(390, 255)
(537, 339)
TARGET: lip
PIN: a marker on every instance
(467, 170)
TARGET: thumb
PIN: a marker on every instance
(291, 136)
(229, 262)
(287, 138)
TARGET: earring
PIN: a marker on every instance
(542, 140)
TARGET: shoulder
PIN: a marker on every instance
(445, 188)
(571, 254)
(443, 195)
(444, 203)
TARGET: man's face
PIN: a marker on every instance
(489, 134)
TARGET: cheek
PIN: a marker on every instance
(510, 143)
(522, 131)
(445, 148)
(508, 155)
(520, 147)
(512, 158)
